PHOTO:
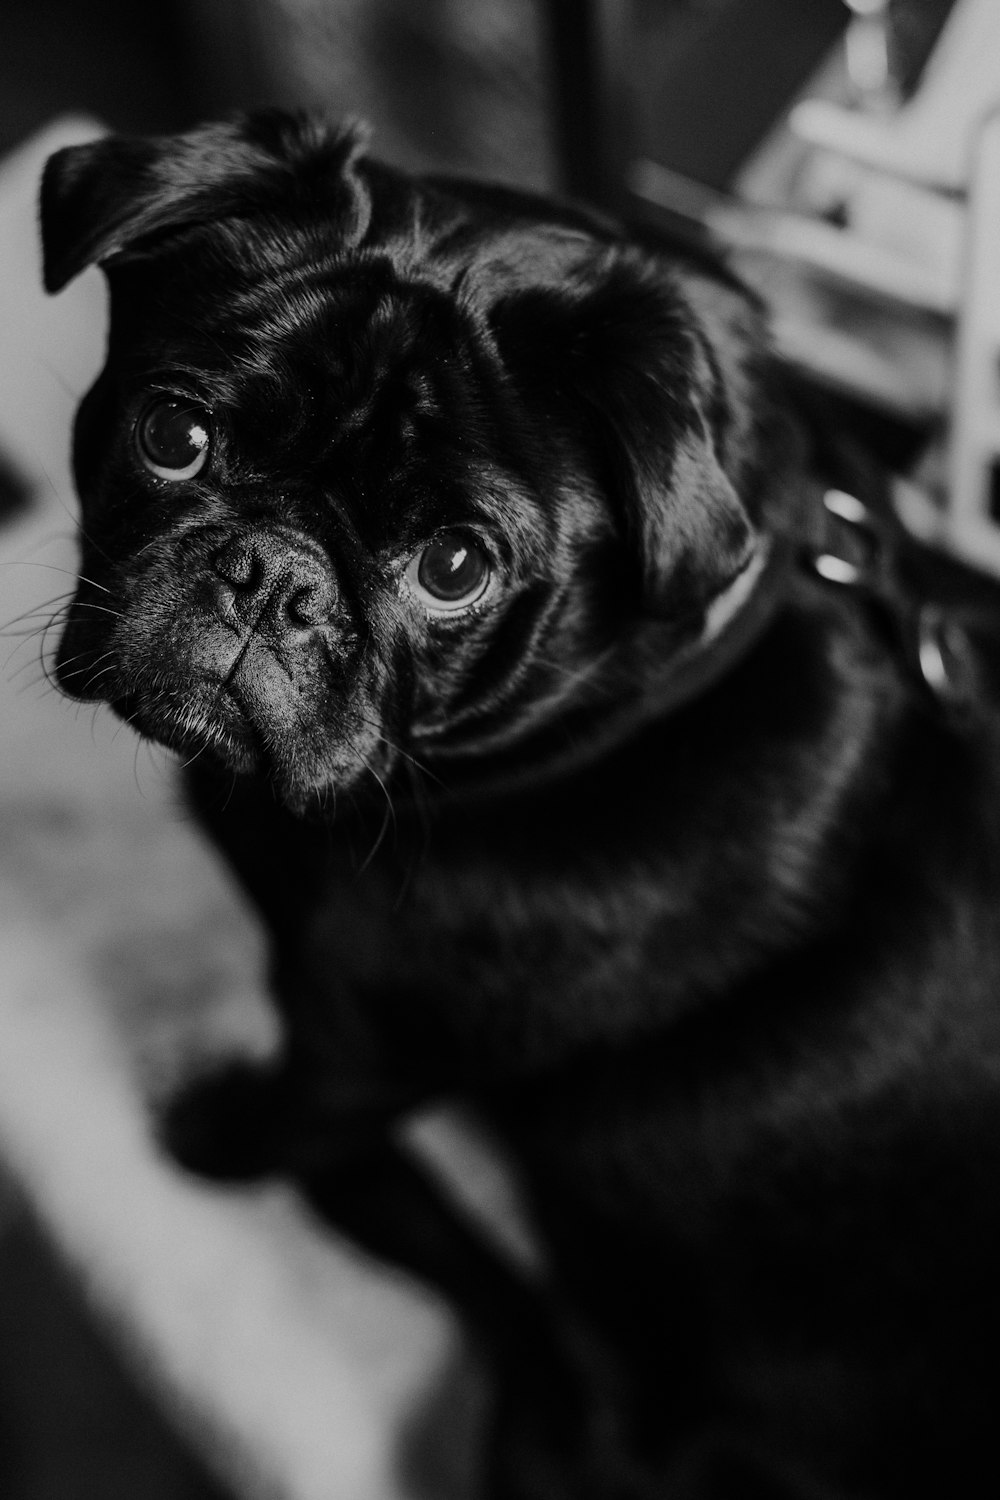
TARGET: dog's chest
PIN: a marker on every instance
(503, 964)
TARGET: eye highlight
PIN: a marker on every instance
(450, 574)
(173, 437)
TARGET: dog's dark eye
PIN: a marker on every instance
(451, 573)
(173, 438)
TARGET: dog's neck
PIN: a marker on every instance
(788, 720)
(718, 839)
(658, 665)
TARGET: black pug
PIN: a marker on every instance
(453, 539)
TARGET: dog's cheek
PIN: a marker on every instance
(78, 658)
(452, 665)
(93, 437)
(96, 624)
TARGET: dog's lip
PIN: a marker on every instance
(246, 736)
(222, 727)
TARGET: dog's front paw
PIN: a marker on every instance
(228, 1124)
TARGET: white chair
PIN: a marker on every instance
(873, 227)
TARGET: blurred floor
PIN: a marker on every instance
(73, 1425)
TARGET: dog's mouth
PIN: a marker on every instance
(187, 684)
(215, 725)
(300, 726)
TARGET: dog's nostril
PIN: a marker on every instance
(311, 603)
(303, 606)
(240, 565)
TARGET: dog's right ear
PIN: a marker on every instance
(103, 198)
(94, 199)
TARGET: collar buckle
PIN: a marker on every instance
(858, 553)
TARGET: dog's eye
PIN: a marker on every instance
(450, 574)
(173, 438)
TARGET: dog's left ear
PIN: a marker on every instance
(656, 367)
(111, 195)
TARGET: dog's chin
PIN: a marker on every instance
(222, 735)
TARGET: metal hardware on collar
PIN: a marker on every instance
(853, 548)
(865, 532)
(930, 650)
(848, 508)
(945, 659)
(833, 569)
(932, 645)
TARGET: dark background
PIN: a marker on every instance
(466, 84)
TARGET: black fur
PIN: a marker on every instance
(724, 978)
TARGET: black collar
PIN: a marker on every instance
(832, 540)
(854, 548)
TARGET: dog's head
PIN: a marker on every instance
(383, 470)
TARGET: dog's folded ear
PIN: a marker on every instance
(114, 194)
(655, 367)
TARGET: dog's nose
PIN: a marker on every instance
(268, 575)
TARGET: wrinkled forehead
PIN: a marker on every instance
(363, 372)
(248, 309)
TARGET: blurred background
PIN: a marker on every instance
(829, 142)
(467, 86)
(840, 147)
